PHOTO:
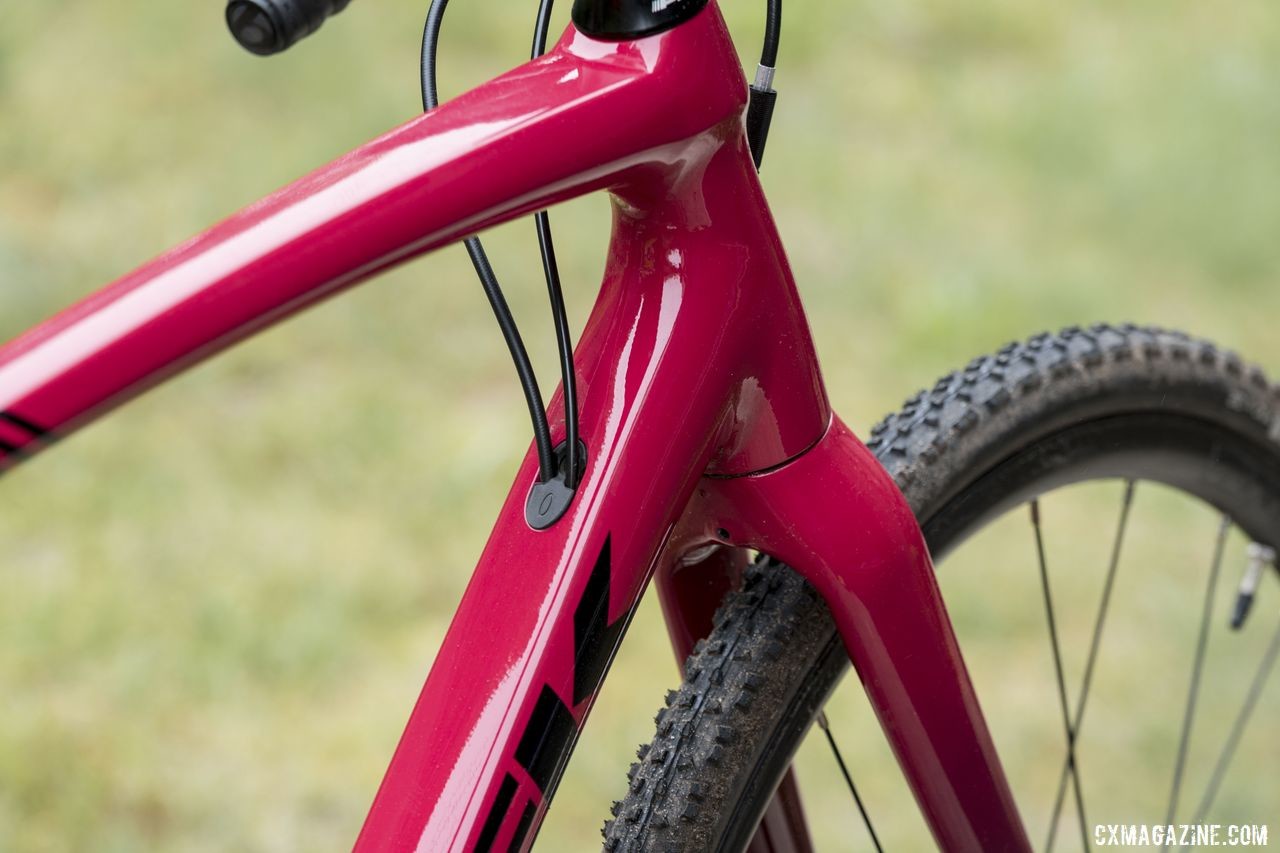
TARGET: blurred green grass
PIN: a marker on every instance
(220, 603)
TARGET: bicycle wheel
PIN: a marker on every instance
(1104, 403)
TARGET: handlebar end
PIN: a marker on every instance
(266, 27)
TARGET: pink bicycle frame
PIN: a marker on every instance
(703, 411)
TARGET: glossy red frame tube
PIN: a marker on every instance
(703, 412)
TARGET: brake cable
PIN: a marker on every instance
(762, 99)
(270, 26)
(548, 466)
(542, 223)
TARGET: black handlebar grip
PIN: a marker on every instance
(265, 27)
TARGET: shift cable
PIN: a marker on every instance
(548, 467)
(759, 116)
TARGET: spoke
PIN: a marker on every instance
(1197, 667)
(835, 750)
(1094, 643)
(1237, 728)
(1062, 683)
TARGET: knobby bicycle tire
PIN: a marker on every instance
(1082, 404)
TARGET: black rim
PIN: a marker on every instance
(1227, 470)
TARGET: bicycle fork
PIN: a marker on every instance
(835, 516)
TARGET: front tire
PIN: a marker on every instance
(1084, 404)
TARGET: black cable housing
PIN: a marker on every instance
(758, 121)
(761, 97)
(489, 281)
(564, 341)
(772, 33)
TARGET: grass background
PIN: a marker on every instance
(217, 607)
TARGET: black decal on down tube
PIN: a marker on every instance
(547, 738)
(552, 730)
(501, 804)
(23, 424)
(522, 828)
(594, 638)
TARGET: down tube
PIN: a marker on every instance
(544, 613)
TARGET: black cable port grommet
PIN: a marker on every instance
(549, 499)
